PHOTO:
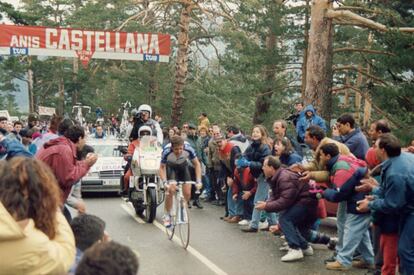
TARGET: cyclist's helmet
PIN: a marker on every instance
(145, 107)
(144, 131)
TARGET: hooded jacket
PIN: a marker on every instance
(30, 251)
(11, 147)
(60, 155)
(304, 122)
(288, 190)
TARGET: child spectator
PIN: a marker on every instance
(108, 259)
(88, 230)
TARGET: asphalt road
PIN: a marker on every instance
(216, 247)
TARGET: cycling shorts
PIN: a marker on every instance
(179, 172)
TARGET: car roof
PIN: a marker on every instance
(105, 141)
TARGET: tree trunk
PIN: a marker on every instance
(153, 85)
(358, 97)
(263, 100)
(319, 64)
(30, 90)
(346, 96)
(75, 81)
(61, 91)
(305, 51)
(30, 86)
(181, 67)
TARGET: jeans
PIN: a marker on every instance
(406, 245)
(356, 236)
(340, 224)
(261, 195)
(235, 206)
(248, 206)
(206, 185)
(295, 223)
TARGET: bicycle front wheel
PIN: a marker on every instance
(184, 224)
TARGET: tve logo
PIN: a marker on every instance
(151, 57)
(19, 51)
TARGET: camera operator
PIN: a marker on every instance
(143, 117)
(294, 117)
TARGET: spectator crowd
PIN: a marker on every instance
(265, 181)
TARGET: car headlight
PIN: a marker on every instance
(92, 174)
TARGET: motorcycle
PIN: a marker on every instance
(146, 191)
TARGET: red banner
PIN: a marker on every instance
(84, 44)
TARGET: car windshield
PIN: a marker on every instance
(104, 150)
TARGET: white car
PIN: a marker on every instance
(105, 174)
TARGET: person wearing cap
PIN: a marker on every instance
(192, 139)
(192, 135)
(227, 153)
(32, 120)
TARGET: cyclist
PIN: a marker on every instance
(175, 167)
(143, 117)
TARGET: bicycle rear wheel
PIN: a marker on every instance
(184, 225)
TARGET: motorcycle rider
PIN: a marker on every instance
(143, 131)
(143, 118)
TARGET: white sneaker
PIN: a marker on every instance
(244, 222)
(166, 220)
(284, 248)
(263, 225)
(308, 251)
(285, 244)
(203, 195)
(293, 255)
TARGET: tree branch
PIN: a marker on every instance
(133, 17)
(357, 9)
(362, 71)
(357, 19)
(349, 49)
(367, 98)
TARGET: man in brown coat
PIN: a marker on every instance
(297, 207)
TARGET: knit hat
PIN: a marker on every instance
(33, 117)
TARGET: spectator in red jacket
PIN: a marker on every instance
(60, 155)
(244, 185)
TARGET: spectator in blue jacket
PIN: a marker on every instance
(11, 147)
(395, 194)
(351, 136)
(310, 118)
(283, 149)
